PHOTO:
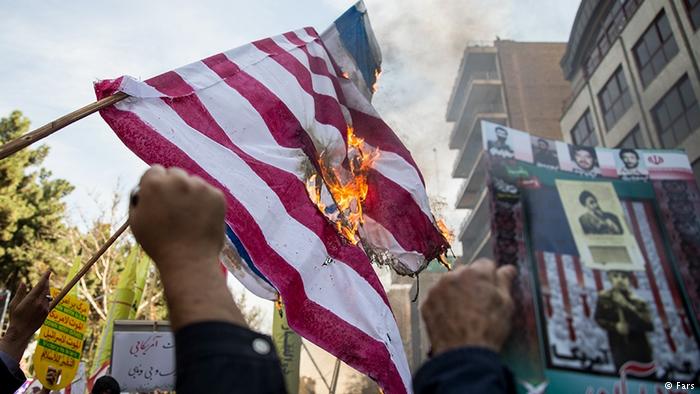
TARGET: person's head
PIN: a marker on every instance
(588, 200)
(630, 158)
(542, 144)
(501, 134)
(106, 385)
(620, 280)
(584, 157)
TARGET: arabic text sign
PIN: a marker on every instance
(60, 343)
(143, 356)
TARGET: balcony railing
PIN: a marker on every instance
(485, 75)
(475, 180)
(477, 212)
(479, 43)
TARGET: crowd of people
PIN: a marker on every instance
(467, 313)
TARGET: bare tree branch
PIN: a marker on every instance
(86, 293)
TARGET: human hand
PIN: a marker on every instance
(179, 221)
(621, 300)
(177, 218)
(611, 223)
(622, 328)
(28, 310)
(470, 306)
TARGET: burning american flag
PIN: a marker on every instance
(317, 185)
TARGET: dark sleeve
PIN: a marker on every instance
(639, 319)
(605, 314)
(617, 223)
(9, 382)
(465, 370)
(218, 357)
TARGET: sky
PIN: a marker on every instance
(53, 51)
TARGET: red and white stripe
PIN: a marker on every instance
(249, 121)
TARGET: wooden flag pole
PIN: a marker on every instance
(89, 264)
(46, 130)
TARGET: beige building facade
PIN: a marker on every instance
(633, 67)
(517, 84)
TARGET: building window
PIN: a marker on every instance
(692, 7)
(583, 132)
(655, 49)
(676, 114)
(614, 98)
(633, 140)
(616, 20)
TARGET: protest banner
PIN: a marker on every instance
(288, 346)
(60, 343)
(143, 355)
(4, 303)
(606, 242)
(120, 307)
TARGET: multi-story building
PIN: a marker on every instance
(633, 67)
(517, 84)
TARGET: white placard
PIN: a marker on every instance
(143, 356)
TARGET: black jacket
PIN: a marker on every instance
(9, 382)
(464, 371)
(215, 357)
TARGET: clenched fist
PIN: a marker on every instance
(470, 306)
(179, 221)
(176, 217)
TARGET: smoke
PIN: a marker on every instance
(422, 45)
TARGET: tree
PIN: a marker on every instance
(31, 210)
(252, 314)
(100, 282)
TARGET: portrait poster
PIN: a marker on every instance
(608, 292)
(597, 223)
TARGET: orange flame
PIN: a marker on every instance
(348, 190)
(345, 75)
(445, 231)
(375, 85)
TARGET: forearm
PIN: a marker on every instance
(196, 292)
(14, 343)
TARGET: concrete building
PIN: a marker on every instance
(633, 67)
(402, 293)
(517, 84)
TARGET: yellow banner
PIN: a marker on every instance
(143, 265)
(119, 309)
(288, 345)
(60, 343)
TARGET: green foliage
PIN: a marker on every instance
(32, 233)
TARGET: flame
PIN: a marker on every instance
(279, 305)
(348, 189)
(375, 85)
(345, 75)
(445, 231)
